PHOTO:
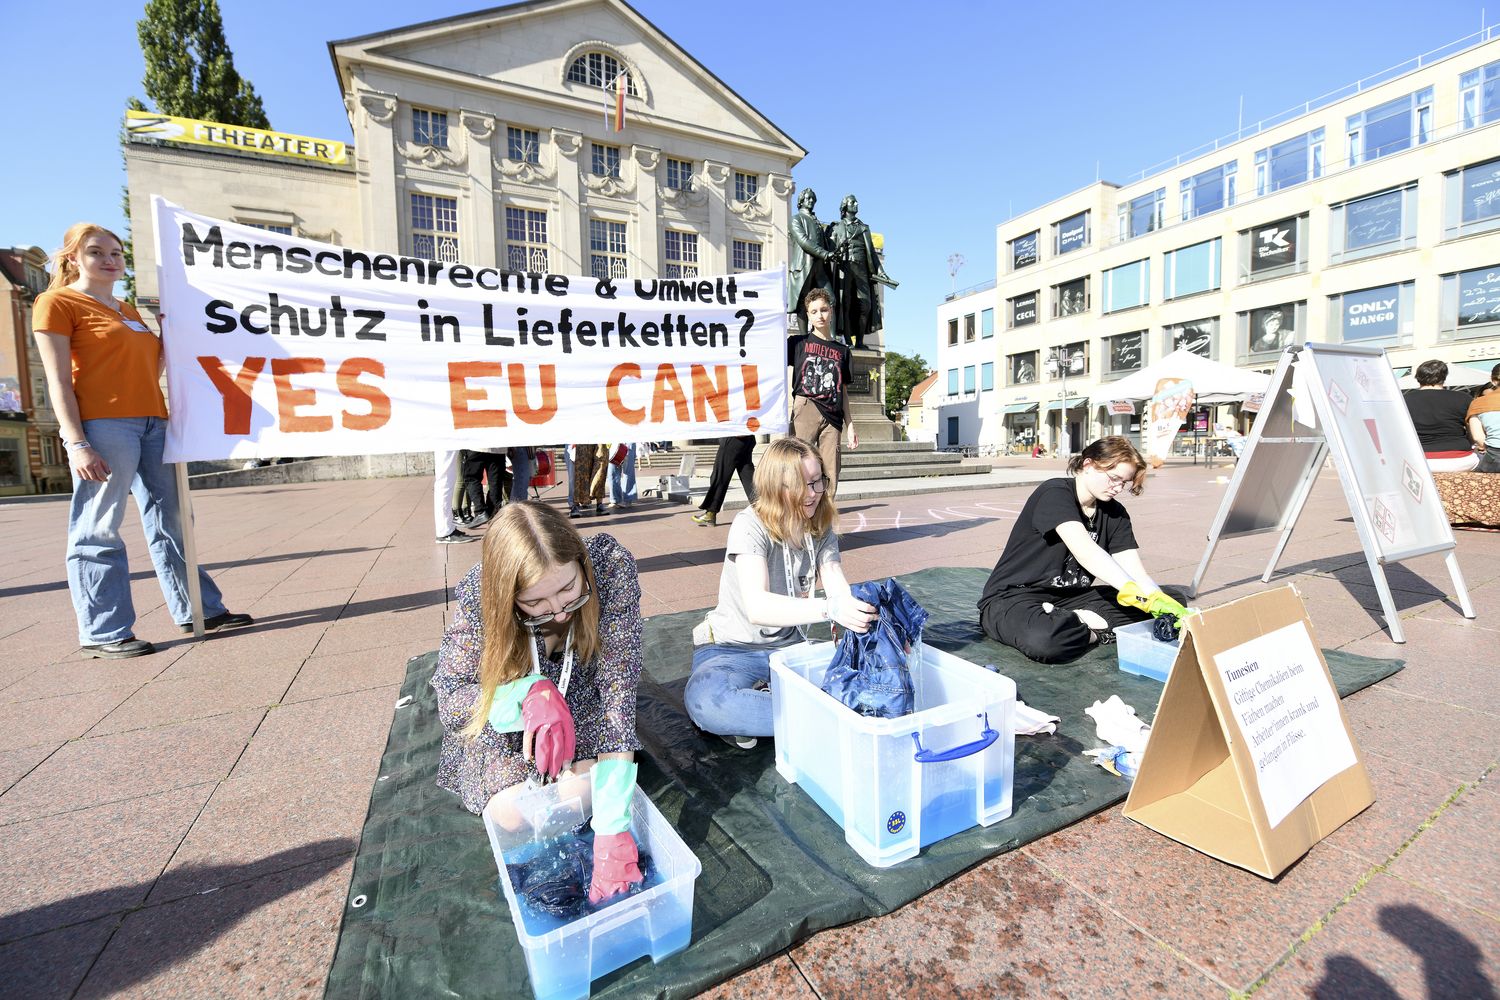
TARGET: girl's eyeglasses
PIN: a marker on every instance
(818, 485)
(537, 621)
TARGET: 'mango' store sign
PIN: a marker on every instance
(146, 125)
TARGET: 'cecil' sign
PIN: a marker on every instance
(254, 140)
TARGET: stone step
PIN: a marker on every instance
(869, 456)
(705, 453)
(864, 472)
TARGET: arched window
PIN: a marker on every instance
(599, 69)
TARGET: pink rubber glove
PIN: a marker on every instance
(548, 728)
(616, 866)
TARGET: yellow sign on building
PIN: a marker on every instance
(253, 140)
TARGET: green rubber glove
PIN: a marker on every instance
(505, 710)
(614, 787)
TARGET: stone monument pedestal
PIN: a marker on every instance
(867, 396)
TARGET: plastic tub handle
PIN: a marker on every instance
(987, 736)
(627, 915)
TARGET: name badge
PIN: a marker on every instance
(137, 326)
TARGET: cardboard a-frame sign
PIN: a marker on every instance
(1250, 759)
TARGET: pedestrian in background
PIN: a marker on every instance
(445, 467)
(733, 456)
(622, 491)
(586, 480)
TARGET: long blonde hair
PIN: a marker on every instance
(524, 543)
(780, 489)
(64, 271)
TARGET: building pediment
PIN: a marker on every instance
(522, 52)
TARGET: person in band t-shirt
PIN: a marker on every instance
(1053, 594)
(820, 386)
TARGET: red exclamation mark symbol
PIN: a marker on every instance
(1375, 436)
(752, 395)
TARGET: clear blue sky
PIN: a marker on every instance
(943, 117)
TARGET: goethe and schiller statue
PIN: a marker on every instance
(839, 258)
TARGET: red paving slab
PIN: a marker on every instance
(1394, 940)
(1006, 928)
(243, 764)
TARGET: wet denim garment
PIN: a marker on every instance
(869, 672)
(556, 879)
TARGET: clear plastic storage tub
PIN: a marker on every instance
(658, 921)
(897, 785)
(1141, 653)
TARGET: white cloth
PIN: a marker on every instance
(444, 478)
(1116, 724)
(1463, 464)
(1031, 722)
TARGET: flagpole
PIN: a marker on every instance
(189, 548)
(184, 491)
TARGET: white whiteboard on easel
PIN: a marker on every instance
(1280, 459)
(1369, 420)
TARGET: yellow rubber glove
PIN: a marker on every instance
(1159, 604)
(1156, 604)
(1130, 596)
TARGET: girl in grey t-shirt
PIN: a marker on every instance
(777, 549)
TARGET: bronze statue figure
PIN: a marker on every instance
(857, 309)
(810, 262)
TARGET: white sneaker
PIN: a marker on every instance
(740, 742)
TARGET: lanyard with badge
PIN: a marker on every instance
(133, 325)
(793, 588)
(567, 664)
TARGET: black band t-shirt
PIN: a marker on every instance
(1035, 556)
(820, 372)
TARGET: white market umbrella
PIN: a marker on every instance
(1213, 382)
(1459, 377)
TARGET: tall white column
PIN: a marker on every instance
(716, 173)
(375, 146)
(570, 236)
(648, 240)
(479, 132)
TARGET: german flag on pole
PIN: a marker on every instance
(622, 84)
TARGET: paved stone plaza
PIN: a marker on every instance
(183, 824)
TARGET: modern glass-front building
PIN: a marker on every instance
(1369, 216)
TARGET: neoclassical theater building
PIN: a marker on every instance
(570, 136)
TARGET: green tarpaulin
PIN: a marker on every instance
(431, 921)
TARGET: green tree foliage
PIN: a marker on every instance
(190, 74)
(901, 374)
(189, 69)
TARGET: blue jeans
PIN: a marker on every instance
(520, 474)
(622, 480)
(720, 695)
(98, 573)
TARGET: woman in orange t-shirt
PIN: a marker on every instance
(104, 372)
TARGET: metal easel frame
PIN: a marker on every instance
(1328, 437)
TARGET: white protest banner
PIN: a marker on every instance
(278, 346)
(1287, 715)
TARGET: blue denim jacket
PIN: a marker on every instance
(869, 672)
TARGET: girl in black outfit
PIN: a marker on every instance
(1057, 589)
